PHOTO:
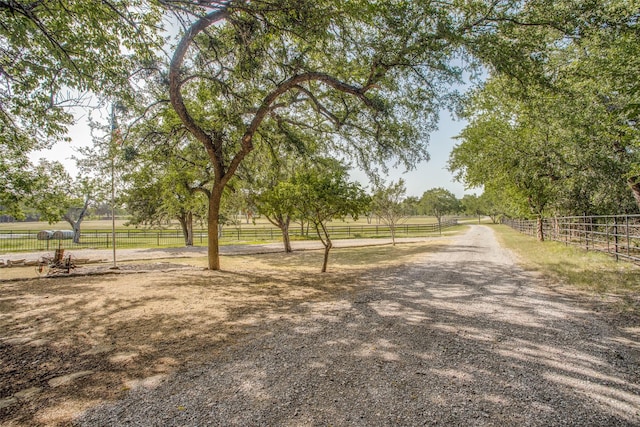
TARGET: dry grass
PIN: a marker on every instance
(340, 259)
(68, 343)
(594, 272)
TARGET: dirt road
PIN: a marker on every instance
(461, 337)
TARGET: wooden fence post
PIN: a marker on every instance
(615, 235)
(606, 229)
(627, 232)
(586, 233)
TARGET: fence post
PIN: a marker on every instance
(579, 233)
(615, 235)
(606, 229)
(158, 238)
(627, 232)
(586, 233)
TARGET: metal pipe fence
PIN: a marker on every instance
(26, 240)
(616, 235)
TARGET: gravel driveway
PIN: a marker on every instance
(460, 337)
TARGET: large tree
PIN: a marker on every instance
(555, 150)
(365, 78)
(566, 141)
(164, 182)
(439, 202)
(62, 198)
(54, 53)
(278, 205)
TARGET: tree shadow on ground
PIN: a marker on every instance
(422, 344)
(389, 346)
(71, 342)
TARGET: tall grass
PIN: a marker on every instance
(589, 271)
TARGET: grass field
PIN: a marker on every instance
(97, 234)
(594, 272)
(120, 224)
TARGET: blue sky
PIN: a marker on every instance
(433, 173)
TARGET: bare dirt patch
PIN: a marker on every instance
(68, 343)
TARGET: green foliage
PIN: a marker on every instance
(563, 139)
(411, 205)
(54, 51)
(164, 182)
(359, 78)
(323, 193)
(56, 192)
(54, 55)
(439, 202)
(278, 202)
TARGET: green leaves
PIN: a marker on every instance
(565, 149)
(439, 202)
(54, 51)
(52, 55)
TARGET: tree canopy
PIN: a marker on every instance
(322, 193)
(53, 55)
(365, 79)
(439, 202)
(360, 80)
(566, 143)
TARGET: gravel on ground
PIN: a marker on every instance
(461, 337)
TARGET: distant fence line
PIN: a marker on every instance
(11, 241)
(616, 235)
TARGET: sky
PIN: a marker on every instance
(434, 173)
(425, 176)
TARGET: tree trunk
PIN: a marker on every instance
(285, 236)
(212, 229)
(327, 248)
(186, 223)
(392, 227)
(326, 241)
(76, 231)
(539, 228)
(75, 224)
(189, 240)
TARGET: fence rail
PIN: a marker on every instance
(616, 235)
(14, 241)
